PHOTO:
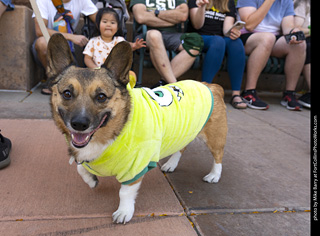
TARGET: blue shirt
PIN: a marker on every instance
(272, 22)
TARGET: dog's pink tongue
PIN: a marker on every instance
(80, 139)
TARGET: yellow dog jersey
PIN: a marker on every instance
(162, 121)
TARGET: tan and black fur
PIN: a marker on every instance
(92, 106)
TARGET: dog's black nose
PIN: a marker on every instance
(80, 123)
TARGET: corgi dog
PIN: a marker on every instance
(114, 129)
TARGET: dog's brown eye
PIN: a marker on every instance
(67, 94)
(101, 97)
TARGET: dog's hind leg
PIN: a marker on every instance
(215, 173)
(215, 140)
(216, 148)
(215, 136)
(172, 163)
(87, 177)
(214, 133)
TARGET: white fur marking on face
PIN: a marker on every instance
(172, 163)
(214, 175)
(125, 210)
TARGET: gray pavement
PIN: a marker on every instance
(264, 188)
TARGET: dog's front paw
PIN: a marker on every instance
(122, 216)
(168, 167)
(172, 163)
(93, 182)
(87, 177)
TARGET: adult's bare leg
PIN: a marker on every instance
(295, 55)
(182, 62)
(307, 74)
(258, 47)
(159, 56)
(41, 48)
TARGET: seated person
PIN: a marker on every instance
(161, 19)
(212, 20)
(55, 23)
(302, 20)
(266, 23)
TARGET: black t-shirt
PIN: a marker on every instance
(213, 23)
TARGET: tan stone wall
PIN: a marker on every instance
(17, 69)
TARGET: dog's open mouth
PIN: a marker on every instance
(80, 140)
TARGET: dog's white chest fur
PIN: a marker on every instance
(92, 151)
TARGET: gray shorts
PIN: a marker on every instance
(171, 40)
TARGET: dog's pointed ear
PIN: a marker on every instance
(59, 55)
(119, 62)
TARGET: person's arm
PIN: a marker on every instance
(227, 24)
(80, 40)
(253, 16)
(197, 14)
(88, 8)
(92, 17)
(142, 16)
(298, 21)
(175, 16)
(139, 43)
(165, 18)
(288, 26)
(300, 18)
(89, 62)
(88, 53)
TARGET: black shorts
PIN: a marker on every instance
(308, 55)
(244, 37)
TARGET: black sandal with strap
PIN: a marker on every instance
(235, 104)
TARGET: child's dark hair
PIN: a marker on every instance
(101, 12)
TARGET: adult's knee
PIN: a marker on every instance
(267, 40)
(234, 46)
(41, 45)
(154, 37)
(217, 41)
(216, 45)
(301, 47)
